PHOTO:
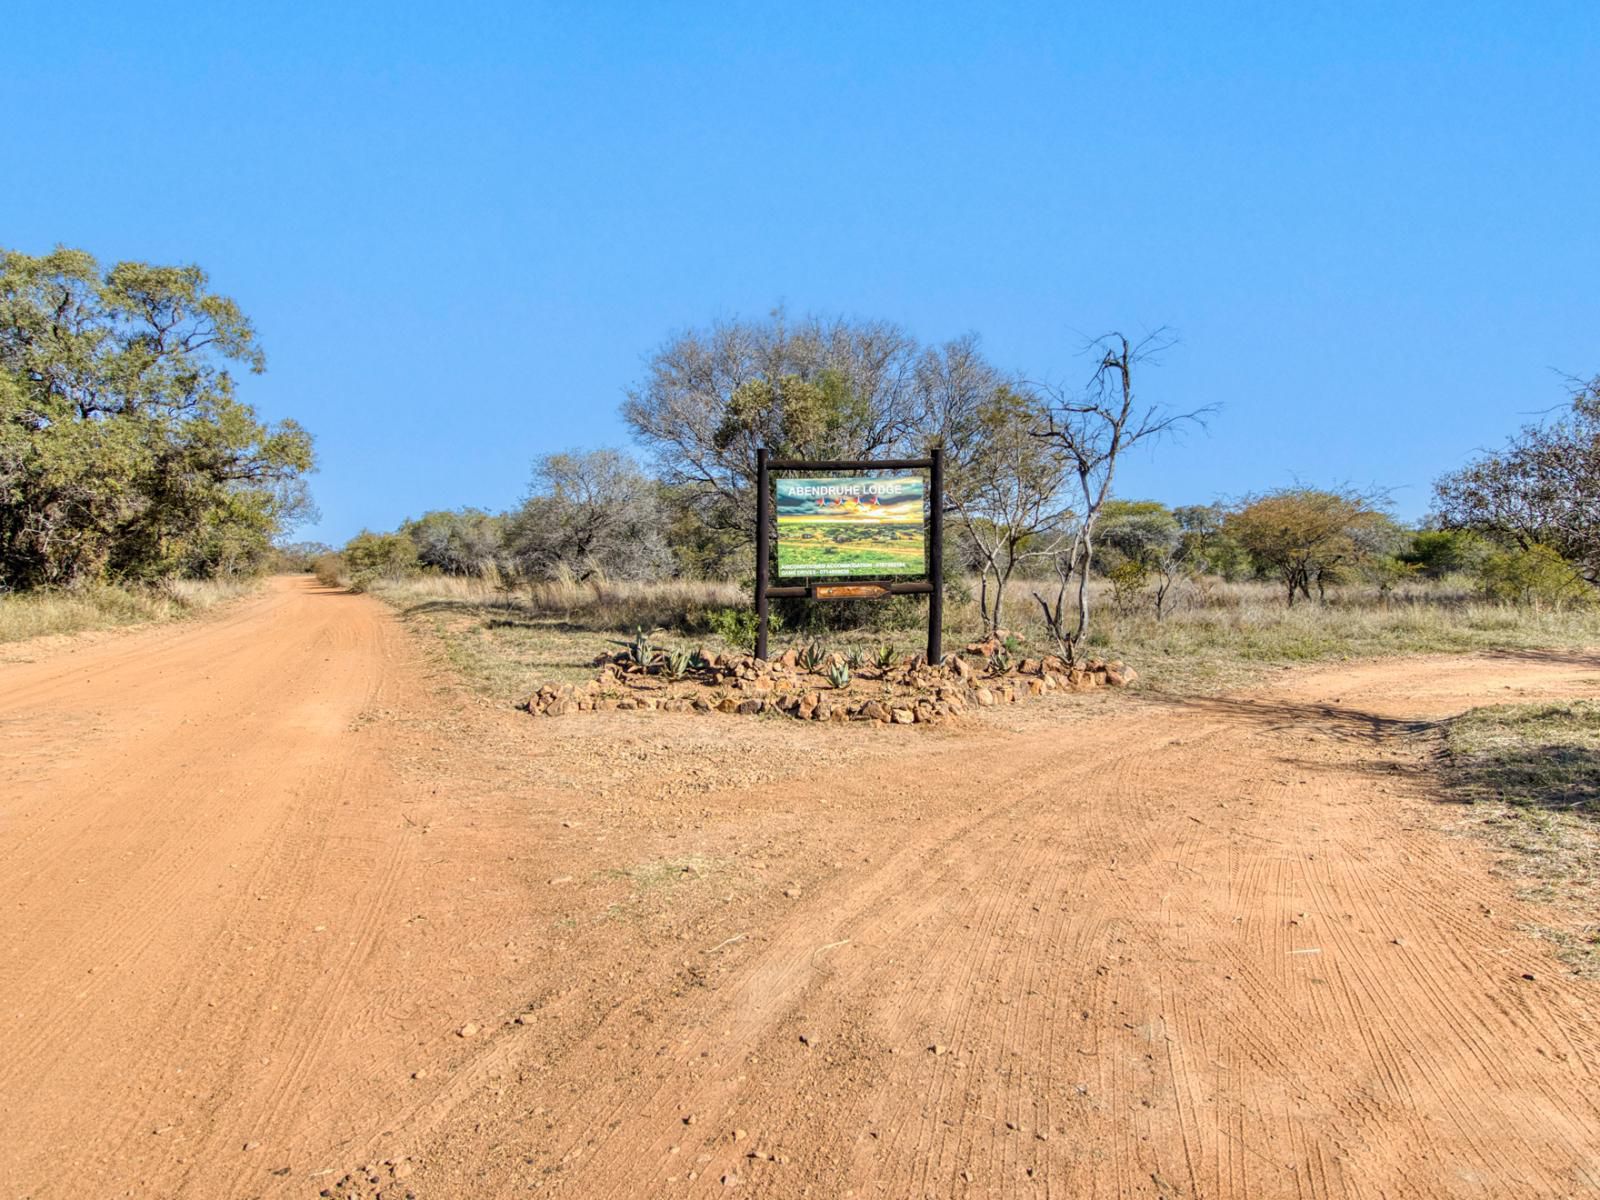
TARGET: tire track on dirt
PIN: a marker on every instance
(1240, 1029)
(164, 890)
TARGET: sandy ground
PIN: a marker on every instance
(283, 912)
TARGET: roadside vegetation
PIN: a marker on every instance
(130, 472)
(134, 484)
(1529, 778)
(1040, 551)
(126, 455)
(508, 638)
(47, 612)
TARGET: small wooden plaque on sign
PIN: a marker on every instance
(849, 591)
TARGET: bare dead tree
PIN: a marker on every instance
(1092, 432)
(1006, 493)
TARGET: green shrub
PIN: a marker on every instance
(370, 557)
(738, 626)
(1440, 552)
(1129, 577)
(1537, 577)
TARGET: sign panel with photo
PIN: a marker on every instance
(851, 526)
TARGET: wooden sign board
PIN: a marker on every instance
(848, 528)
(849, 591)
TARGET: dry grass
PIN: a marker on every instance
(1206, 649)
(43, 613)
(594, 604)
(1220, 635)
(1531, 776)
(509, 640)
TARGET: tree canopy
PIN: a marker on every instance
(465, 541)
(1306, 536)
(1542, 489)
(124, 452)
(589, 514)
(810, 387)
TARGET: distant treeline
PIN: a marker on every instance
(125, 455)
(1307, 540)
(1027, 481)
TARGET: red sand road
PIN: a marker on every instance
(257, 873)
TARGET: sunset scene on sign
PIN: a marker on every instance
(850, 525)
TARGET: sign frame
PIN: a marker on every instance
(853, 589)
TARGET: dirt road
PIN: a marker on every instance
(283, 912)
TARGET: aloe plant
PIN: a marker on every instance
(839, 675)
(676, 663)
(855, 659)
(1000, 660)
(812, 657)
(885, 657)
(640, 651)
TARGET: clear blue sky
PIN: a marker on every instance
(461, 228)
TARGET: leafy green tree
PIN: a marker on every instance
(1207, 546)
(1436, 553)
(124, 452)
(1144, 545)
(1307, 537)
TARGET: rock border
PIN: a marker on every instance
(909, 693)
